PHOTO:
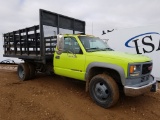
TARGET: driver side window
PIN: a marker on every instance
(71, 45)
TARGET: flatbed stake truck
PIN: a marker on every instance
(47, 48)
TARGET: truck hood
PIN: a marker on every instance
(120, 55)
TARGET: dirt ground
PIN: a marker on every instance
(59, 98)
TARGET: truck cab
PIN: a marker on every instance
(90, 59)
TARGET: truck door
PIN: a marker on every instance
(71, 62)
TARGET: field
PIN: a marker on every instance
(60, 98)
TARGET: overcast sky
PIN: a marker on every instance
(98, 14)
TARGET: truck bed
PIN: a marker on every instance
(25, 44)
(37, 43)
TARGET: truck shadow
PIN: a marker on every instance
(62, 85)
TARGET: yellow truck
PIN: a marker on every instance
(59, 45)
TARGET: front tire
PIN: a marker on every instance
(104, 90)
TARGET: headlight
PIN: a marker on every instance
(134, 70)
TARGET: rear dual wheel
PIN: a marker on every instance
(26, 71)
(32, 70)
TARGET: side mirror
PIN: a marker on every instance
(60, 44)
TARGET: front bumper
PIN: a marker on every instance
(135, 91)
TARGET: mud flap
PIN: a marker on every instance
(154, 87)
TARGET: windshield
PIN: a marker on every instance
(92, 44)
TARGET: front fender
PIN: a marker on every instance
(117, 68)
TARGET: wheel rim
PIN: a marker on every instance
(21, 72)
(101, 91)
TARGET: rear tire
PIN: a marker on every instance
(104, 90)
(23, 71)
(32, 70)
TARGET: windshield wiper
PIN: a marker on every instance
(93, 49)
(110, 49)
(98, 49)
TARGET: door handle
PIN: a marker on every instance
(57, 57)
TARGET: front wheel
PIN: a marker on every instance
(104, 90)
